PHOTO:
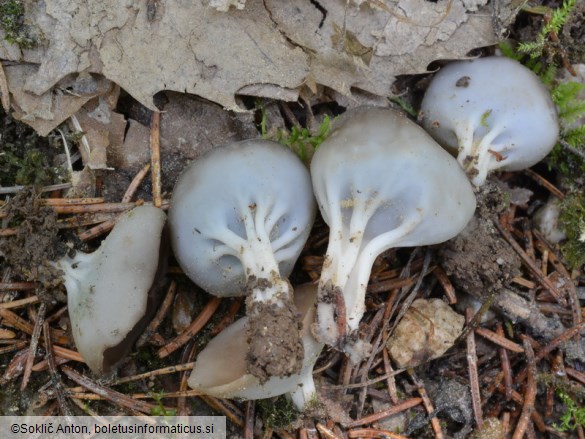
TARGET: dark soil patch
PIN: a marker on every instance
(275, 346)
(29, 253)
(479, 260)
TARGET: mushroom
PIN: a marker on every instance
(239, 218)
(112, 292)
(220, 368)
(380, 182)
(494, 112)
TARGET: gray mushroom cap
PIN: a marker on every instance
(494, 112)
(235, 205)
(111, 293)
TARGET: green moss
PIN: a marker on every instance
(542, 56)
(277, 413)
(13, 24)
(299, 139)
(557, 18)
(573, 223)
(159, 409)
(24, 156)
(573, 415)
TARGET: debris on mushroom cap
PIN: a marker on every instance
(220, 368)
(380, 181)
(111, 293)
(494, 112)
(239, 219)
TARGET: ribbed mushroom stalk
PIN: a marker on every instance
(380, 182)
(240, 216)
(494, 112)
(112, 292)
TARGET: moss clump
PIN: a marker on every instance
(13, 24)
(277, 413)
(24, 156)
(573, 222)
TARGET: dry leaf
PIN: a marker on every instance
(269, 48)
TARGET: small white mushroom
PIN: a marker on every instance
(380, 181)
(220, 368)
(240, 216)
(494, 112)
(111, 293)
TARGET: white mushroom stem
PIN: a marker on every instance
(348, 266)
(476, 156)
(255, 252)
(380, 182)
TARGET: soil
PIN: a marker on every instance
(479, 261)
(275, 347)
(35, 245)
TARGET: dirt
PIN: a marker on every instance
(35, 245)
(479, 261)
(275, 347)
(573, 34)
(452, 400)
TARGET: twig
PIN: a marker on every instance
(573, 373)
(186, 357)
(529, 394)
(153, 373)
(405, 405)
(7, 334)
(249, 428)
(374, 433)
(51, 188)
(473, 377)
(111, 395)
(195, 326)
(155, 158)
(325, 432)
(545, 183)
(20, 286)
(14, 347)
(135, 183)
(15, 367)
(500, 340)
(364, 383)
(391, 284)
(427, 404)
(228, 318)
(542, 244)
(55, 378)
(531, 266)
(103, 207)
(160, 315)
(17, 322)
(150, 395)
(505, 363)
(63, 355)
(232, 412)
(446, 284)
(70, 201)
(390, 381)
(34, 341)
